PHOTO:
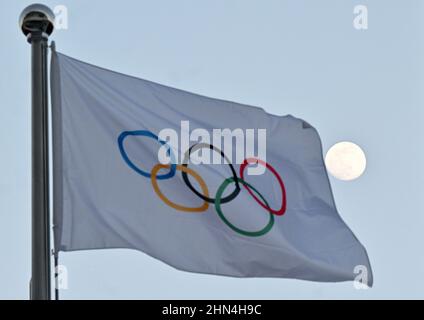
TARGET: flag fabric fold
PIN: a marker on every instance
(111, 191)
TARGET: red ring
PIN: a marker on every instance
(280, 181)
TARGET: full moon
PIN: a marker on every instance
(346, 161)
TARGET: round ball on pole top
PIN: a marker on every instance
(37, 18)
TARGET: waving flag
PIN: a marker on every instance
(131, 171)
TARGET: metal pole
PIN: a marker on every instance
(37, 24)
(40, 288)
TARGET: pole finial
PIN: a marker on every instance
(37, 18)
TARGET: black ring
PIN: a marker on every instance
(228, 198)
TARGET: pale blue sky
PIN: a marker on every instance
(287, 56)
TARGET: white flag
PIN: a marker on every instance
(204, 185)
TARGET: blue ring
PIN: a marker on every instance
(146, 133)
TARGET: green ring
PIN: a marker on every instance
(218, 196)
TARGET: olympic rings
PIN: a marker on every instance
(148, 134)
(218, 200)
(186, 170)
(196, 147)
(283, 208)
(218, 209)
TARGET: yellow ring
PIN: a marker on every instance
(189, 171)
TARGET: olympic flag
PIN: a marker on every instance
(131, 171)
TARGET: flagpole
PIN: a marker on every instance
(37, 23)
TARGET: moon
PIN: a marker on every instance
(346, 161)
